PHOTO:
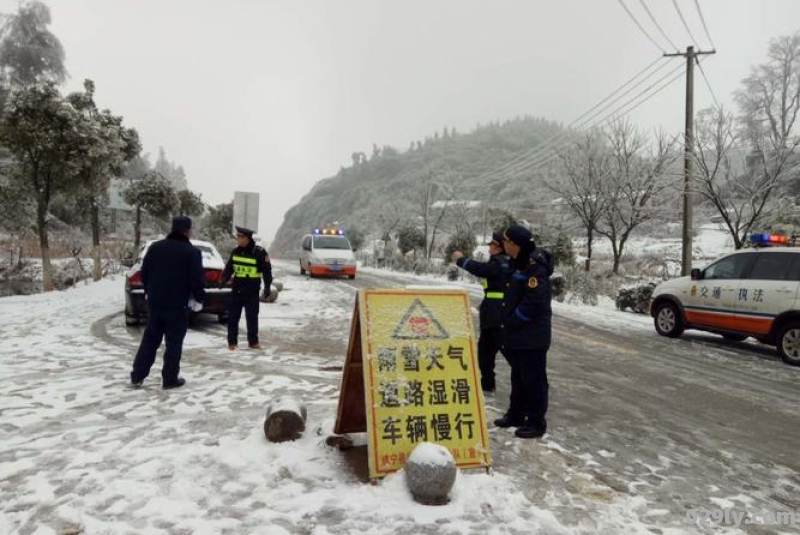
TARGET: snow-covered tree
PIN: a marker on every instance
(410, 239)
(49, 139)
(152, 194)
(639, 172)
(585, 167)
(111, 145)
(190, 203)
(29, 52)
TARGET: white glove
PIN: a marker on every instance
(195, 306)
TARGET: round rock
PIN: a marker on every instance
(286, 420)
(278, 285)
(430, 474)
(272, 297)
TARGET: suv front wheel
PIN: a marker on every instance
(668, 321)
(788, 343)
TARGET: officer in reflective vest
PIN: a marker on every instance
(248, 264)
(493, 279)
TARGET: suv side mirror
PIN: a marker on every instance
(697, 274)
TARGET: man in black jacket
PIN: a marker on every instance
(527, 326)
(248, 264)
(493, 279)
(172, 273)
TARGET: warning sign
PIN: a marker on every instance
(421, 379)
(418, 323)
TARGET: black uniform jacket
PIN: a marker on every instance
(527, 316)
(172, 271)
(494, 274)
(248, 265)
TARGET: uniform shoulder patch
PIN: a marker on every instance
(533, 283)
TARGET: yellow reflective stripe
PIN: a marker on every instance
(248, 271)
(494, 295)
(484, 283)
(245, 272)
(244, 260)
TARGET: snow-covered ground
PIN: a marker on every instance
(81, 452)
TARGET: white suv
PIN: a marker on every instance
(752, 292)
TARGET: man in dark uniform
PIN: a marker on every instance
(527, 319)
(172, 273)
(248, 264)
(493, 279)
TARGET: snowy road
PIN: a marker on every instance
(642, 428)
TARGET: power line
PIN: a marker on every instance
(703, 20)
(546, 154)
(635, 21)
(542, 148)
(683, 20)
(650, 14)
(708, 84)
(516, 160)
(620, 112)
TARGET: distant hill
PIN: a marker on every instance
(366, 194)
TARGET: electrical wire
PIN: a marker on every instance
(541, 148)
(652, 18)
(548, 154)
(708, 84)
(683, 20)
(518, 159)
(703, 20)
(621, 112)
(635, 21)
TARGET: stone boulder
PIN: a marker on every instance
(286, 420)
(430, 474)
(270, 297)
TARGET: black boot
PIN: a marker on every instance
(530, 432)
(509, 421)
(177, 384)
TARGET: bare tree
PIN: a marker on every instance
(585, 166)
(770, 97)
(432, 217)
(739, 183)
(390, 218)
(743, 166)
(639, 172)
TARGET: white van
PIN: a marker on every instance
(327, 252)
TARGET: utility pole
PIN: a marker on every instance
(686, 254)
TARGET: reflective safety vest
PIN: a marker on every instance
(244, 267)
(488, 294)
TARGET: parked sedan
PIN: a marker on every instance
(218, 297)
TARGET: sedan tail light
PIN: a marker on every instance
(135, 279)
(213, 276)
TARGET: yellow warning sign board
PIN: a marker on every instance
(422, 382)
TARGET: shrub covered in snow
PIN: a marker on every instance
(636, 298)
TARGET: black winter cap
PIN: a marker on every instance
(181, 223)
(519, 235)
(497, 237)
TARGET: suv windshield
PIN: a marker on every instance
(331, 242)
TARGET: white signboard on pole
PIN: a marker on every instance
(245, 210)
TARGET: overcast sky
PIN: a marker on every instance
(271, 96)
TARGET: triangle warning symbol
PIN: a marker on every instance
(419, 323)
